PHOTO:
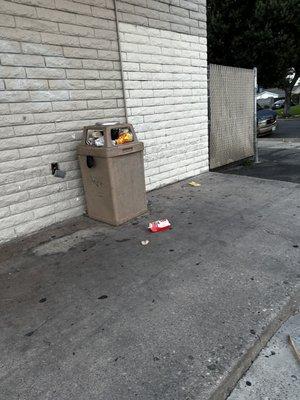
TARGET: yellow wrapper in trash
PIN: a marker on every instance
(125, 137)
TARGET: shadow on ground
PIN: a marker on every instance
(277, 161)
(279, 155)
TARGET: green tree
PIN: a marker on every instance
(261, 33)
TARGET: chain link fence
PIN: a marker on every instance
(232, 114)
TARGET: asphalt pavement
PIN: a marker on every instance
(287, 129)
(93, 314)
(279, 155)
(87, 312)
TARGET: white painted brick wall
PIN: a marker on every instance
(59, 70)
(183, 16)
(166, 95)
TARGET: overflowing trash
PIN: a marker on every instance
(125, 136)
(112, 168)
(99, 141)
(160, 225)
(118, 136)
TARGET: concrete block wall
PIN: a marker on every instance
(164, 56)
(60, 70)
(184, 16)
(166, 95)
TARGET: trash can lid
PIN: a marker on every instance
(109, 152)
(107, 130)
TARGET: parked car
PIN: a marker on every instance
(266, 121)
(278, 105)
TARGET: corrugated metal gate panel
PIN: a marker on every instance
(231, 114)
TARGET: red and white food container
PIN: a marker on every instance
(160, 225)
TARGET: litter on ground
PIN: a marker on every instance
(194, 184)
(160, 225)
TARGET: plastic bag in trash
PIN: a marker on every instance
(125, 136)
(99, 142)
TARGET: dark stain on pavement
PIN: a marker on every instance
(43, 300)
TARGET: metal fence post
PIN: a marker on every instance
(255, 141)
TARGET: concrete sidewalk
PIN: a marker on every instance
(95, 315)
(275, 374)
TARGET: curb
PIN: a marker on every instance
(243, 364)
(289, 118)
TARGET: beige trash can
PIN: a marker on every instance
(113, 174)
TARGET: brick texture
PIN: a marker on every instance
(60, 70)
(183, 16)
(166, 95)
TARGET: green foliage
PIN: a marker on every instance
(248, 163)
(261, 33)
(294, 111)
